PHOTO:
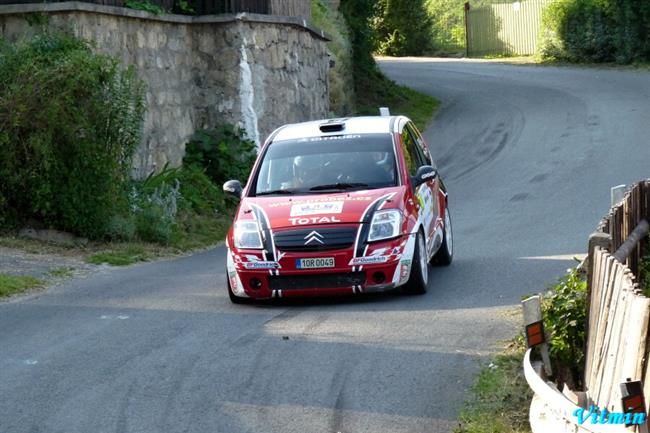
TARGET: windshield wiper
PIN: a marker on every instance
(339, 186)
(276, 191)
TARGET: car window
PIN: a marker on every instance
(413, 159)
(422, 146)
(365, 161)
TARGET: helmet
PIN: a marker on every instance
(302, 170)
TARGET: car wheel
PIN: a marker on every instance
(417, 282)
(445, 253)
(234, 298)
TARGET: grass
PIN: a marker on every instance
(12, 284)
(62, 272)
(419, 107)
(121, 254)
(199, 231)
(501, 397)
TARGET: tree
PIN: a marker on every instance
(402, 27)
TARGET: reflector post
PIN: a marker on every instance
(632, 398)
(535, 333)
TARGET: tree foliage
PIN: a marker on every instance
(70, 122)
(402, 27)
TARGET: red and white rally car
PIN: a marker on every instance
(338, 206)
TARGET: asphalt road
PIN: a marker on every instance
(528, 153)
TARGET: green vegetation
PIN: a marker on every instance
(421, 27)
(644, 270)
(121, 255)
(402, 28)
(596, 31)
(223, 152)
(12, 284)
(145, 5)
(564, 310)
(371, 87)
(70, 121)
(333, 23)
(501, 397)
(62, 272)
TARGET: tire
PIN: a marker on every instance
(445, 254)
(234, 298)
(419, 277)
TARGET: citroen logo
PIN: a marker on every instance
(314, 237)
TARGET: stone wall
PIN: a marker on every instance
(257, 71)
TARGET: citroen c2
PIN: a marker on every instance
(339, 206)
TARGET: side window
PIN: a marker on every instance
(421, 145)
(410, 152)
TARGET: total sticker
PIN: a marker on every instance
(333, 207)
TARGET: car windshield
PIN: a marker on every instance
(324, 164)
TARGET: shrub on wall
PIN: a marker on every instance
(223, 152)
(70, 122)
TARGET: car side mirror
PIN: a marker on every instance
(233, 187)
(424, 174)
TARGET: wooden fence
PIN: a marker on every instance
(504, 28)
(618, 328)
(292, 8)
(619, 313)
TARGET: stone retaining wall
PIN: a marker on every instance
(258, 71)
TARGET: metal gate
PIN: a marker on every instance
(504, 28)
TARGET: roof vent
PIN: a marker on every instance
(384, 111)
(332, 126)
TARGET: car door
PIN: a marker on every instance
(423, 194)
(428, 192)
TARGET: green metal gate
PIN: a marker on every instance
(504, 28)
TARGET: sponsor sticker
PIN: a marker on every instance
(313, 220)
(405, 270)
(232, 276)
(304, 209)
(317, 200)
(262, 265)
(368, 260)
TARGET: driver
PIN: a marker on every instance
(305, 170)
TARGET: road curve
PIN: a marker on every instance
(528, 153)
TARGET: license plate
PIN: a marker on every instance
(319, 262)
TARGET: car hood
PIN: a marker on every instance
(305, 210)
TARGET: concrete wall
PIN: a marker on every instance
(257, 71)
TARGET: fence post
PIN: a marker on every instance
(466, 29)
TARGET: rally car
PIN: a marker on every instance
(338, 206)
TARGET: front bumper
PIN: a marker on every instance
(384, 266)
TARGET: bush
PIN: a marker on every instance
(199, 194)
(165, 207)
(154, 204)
(564, 310)
(223, 152)
(70, 122)
(596, 31)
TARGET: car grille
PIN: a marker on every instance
(320, 281)
(323, 239)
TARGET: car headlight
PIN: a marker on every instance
(385, 224)
(247, 235)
